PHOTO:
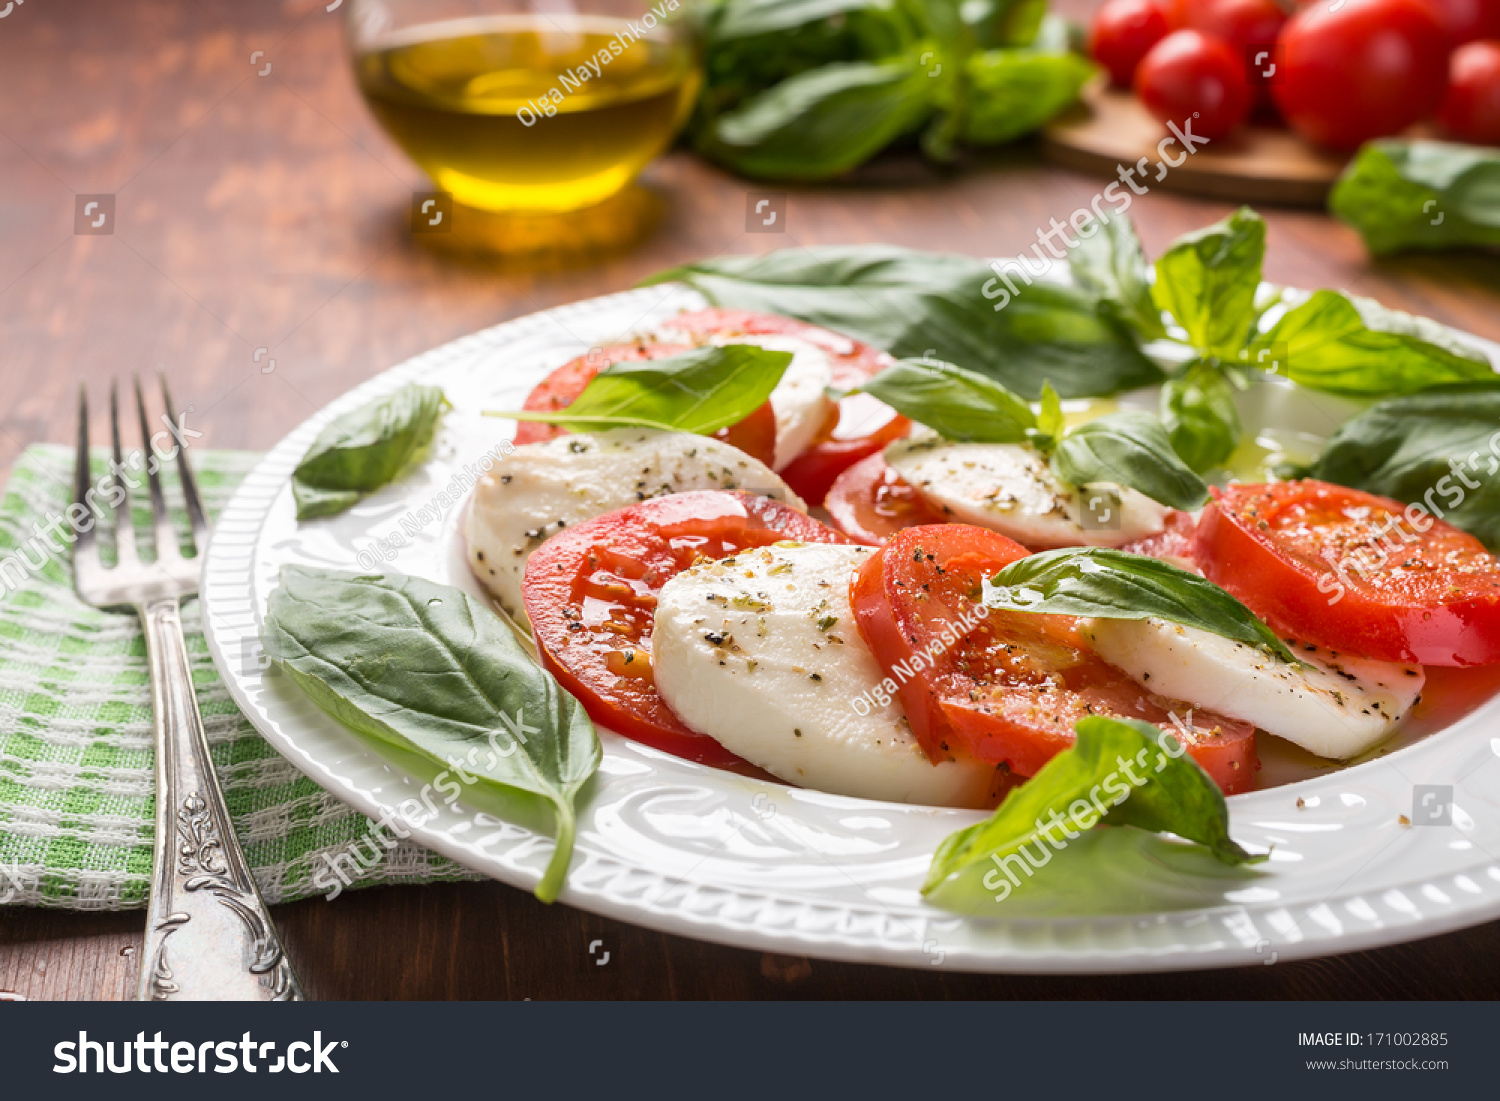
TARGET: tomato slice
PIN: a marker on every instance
(590, 593)
(1353, 572)
(1174, 543)
(870, 503)
(755, 435)
(852, 361)
(1005, 686)
(813, 473)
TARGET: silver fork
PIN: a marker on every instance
(208, 934)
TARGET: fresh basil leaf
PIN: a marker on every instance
(1357, 348)
(1207, 280)
(1050, 422)
(955, 403)
(1128, 448)
(1199, 414)
(1001, 23)
(366, 449)
(1421, 195)
(1110, 264)
(1113, 584)
(822, 122)
(700, 391)
(429, 669)
(914, 304)
(1121, 771)
(741, 19)
(1439, 448)
(1015, 91)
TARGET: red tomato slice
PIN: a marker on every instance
(853, 362)
(1007, 686)
(590, 593)
(1353, 572)
(755, 435)
(870, 503)
(813, 473)
(1173, 544)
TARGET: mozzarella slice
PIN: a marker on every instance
(1338, 708)
(1009, 488)
(761, 653)
(799, 400)
(541, 488)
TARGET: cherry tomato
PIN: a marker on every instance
(870, 503)
(1471, 111)
(1248, 26)
(1006, 686)
(1468, 20)
(590, 593)
(1352, 571)
(1123, 32)
(1189, 76)
(1366, 70)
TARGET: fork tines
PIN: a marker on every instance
(115, 490)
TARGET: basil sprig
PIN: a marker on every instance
(919, 304)
(1122, 771)
(366, 449)
(699, 391)
(1421, 195)
(1110, 264)
(809, 89)
(1113, 584)
(1126, 448)
(432, 671)
(1355, 347)
(1439, 448)
(1207, 280)
(1200, 416)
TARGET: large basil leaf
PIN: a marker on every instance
(822, 122)
(1207, 280)
(431, 670)
(741, 19)
(1357, 348)
(1440, 446)
(700, 391)
(914, 304)
(1110, 264)
(1012, 92)
(958, 404)
(1112, 584)
(1128, 448)
(1421, 195)
(1123, 771)
(366, 449)
(1199, 414)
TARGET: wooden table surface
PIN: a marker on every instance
(266, 215)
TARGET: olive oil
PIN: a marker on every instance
(530, 114)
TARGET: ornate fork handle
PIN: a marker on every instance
(208, 935)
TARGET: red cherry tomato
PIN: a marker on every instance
(1471, 111)
(1353, 572)
(870, 503)
(1123, 32)
(1006, 686)
(1366, 70)
(1249, 26)
(1468, 20)
(590, 593)
(1189, 76)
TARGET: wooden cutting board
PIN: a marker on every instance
(1258, 164)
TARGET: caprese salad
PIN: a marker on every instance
(763, 546)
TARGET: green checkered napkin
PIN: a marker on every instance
(76, 786)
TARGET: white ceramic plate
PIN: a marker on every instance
(693, 851)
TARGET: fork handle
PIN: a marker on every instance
(208, 934)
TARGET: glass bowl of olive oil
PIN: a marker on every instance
(526, 107)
